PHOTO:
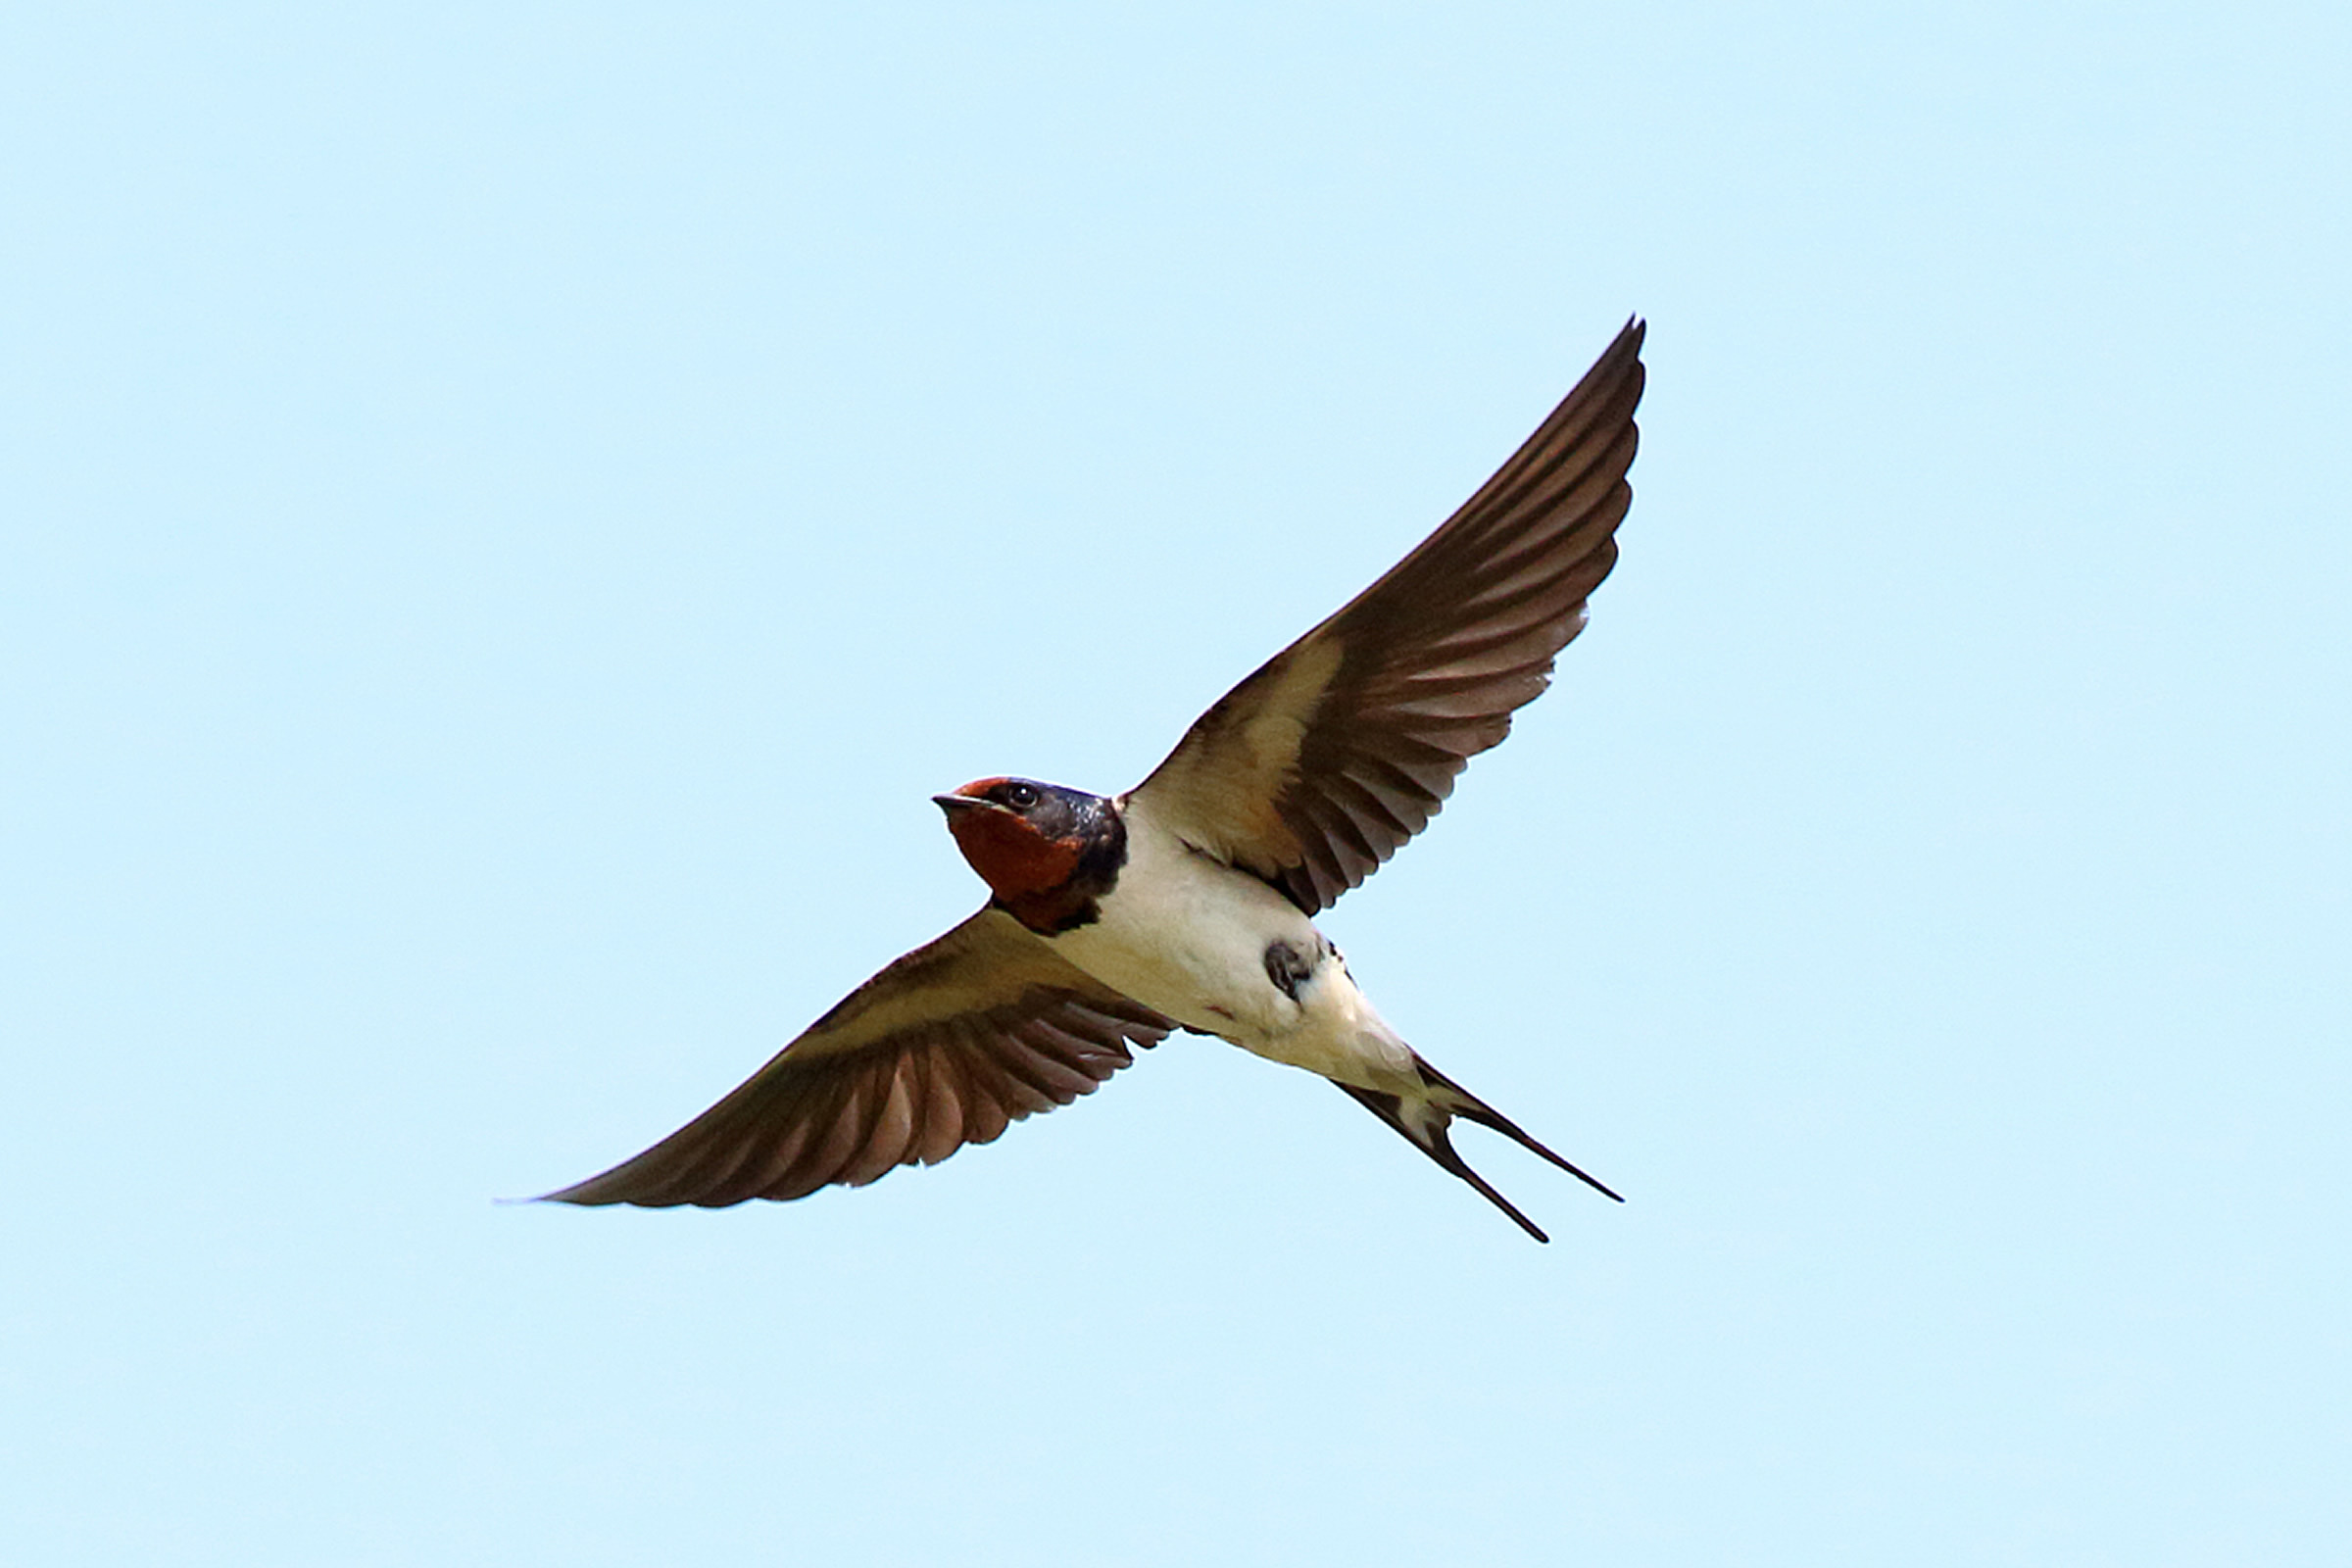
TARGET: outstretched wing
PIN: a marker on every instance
(1313, 770)
(946, 1047)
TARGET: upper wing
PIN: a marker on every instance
(1313, 770)
(943, 1048)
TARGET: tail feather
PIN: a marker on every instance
(1454, 1098)
(1430, 1138)
(1423, 1124)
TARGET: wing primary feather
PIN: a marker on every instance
(927, 1055)
(946, 1122)
(1423, 670)
(987, 1099)
(847, 1131)
(892, 1130)
(759, 1179)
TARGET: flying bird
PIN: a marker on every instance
(1188, 902)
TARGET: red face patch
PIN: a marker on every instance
(1013, 857)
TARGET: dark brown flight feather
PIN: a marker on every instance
(1318, 766)
(1429, 1135)
(946, 1047)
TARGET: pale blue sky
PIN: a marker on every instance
(510, 512)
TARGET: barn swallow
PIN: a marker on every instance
(1188, 902)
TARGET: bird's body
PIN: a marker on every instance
(1223, 954)
(1188, 902)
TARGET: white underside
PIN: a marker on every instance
(1188, 936)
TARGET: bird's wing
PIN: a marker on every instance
(946, 1047)
(1313, 770)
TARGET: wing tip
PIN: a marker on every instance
(589, 1193)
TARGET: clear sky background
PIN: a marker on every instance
(510, 512)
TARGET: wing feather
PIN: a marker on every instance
(948, 1046)
(1322, 764)
(945, 1120)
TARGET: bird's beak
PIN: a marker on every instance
(951, 803)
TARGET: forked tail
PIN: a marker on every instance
(1423, 1122)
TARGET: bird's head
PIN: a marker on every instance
(1025, 838)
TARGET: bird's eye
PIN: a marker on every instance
(1020, 797)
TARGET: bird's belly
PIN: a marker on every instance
(1192, 948)
(1191, 939)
